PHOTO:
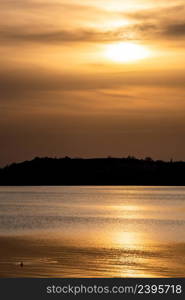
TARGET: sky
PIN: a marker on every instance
(92, 78)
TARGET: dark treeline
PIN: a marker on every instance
(97, 171)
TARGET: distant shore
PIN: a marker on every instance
(94, 171)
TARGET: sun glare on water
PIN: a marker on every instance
(126, 52)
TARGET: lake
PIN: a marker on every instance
(92, 231)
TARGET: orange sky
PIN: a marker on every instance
(67, 87)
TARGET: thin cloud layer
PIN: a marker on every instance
(160, 23)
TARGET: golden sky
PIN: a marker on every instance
(92, 78)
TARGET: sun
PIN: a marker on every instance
(126, 52)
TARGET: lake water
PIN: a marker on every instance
(122, 231)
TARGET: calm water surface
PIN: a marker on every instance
(93, 231)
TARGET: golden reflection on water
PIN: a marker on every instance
(112, 235)
(56, 258)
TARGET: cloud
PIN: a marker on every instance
(23, 85)
(157, 14)
(164, 22)
(30, 26)
(17, 34)
(140, 31)
(175, 30)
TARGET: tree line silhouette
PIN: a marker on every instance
(94, 171)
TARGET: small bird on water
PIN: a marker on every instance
(21, 264)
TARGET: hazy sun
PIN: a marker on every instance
(126, 52)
